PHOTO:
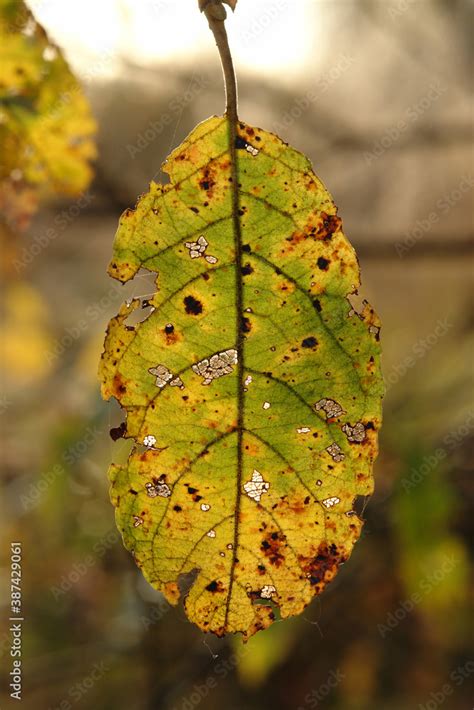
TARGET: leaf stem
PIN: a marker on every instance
(216, 15)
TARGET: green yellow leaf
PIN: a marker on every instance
(46, 126)
(252, 388)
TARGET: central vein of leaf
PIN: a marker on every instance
(239, 344)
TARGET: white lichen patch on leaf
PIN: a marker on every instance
(256, 487)
(177, 382)
(162, 374)
(267, 591)
(149, 440)
(354, 433)
(198, 249)
(253, 151)
(266, 329)
(331, 408)
(335, 452)
(330, 502)
(158, 489)
(216, 366)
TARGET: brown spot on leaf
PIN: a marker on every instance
(118, 387)
(273, 548)
(246, 325)
(208, 180)
(323, 567)
(330, 224)
(215, 586)
(297, 237)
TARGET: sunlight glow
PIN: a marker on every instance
(270, 36)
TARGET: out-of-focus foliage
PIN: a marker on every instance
(46, 125)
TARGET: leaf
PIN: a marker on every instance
(46, 126)
(252, 388)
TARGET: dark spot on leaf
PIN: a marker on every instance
(330, 224)
(323, 567)
(309, 342)
(246, 270)
(192, 305)
(194, 209)
(177, 508)
(215, 586)
(246, 325)
(323, 263)
(246, 248)
(240, 143)
(118, 432)
(317, 305)
(272, 546)
(169, 328)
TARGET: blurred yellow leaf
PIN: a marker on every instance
(25, 336)
(46, 126)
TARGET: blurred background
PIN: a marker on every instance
(378, 93)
